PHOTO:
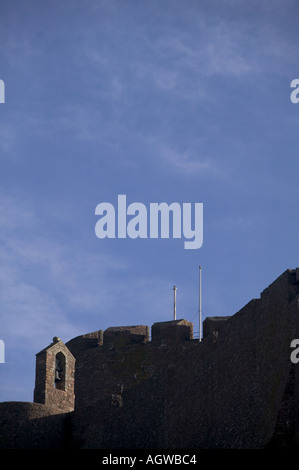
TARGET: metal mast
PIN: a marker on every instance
(200, 300)
(174, 302)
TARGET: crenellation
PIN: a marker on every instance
(118, 388)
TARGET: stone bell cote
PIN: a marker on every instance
(55, 376)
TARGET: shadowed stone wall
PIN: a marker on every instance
(237, 388)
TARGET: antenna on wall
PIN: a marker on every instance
(200, 301)
(174, 302)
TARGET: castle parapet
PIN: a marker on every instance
(119, 336)
(212, 326)
(87, 341)
(171, 332)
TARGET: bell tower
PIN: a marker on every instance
(55, 376)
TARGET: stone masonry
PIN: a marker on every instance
(122, 389)
(48, 390)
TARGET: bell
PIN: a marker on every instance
(57, 378)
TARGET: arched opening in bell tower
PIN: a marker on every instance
(59, 377)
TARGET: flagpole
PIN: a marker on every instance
(200, 301)
(174, 302)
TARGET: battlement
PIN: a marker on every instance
(121, 335)
(171, 332)
(162, 334)
(212, 326)
(136, 387)
(120, 357)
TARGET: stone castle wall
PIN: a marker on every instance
(32, 426)
(237, 388)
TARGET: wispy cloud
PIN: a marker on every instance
(21, 51)
(217, 50)
(8, 140)
(193, 165)
(48, 287)
(41, 277)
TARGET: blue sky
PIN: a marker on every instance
(161, 100)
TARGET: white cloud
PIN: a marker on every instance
(20, 51)
(40, 277)
(187, 165)
(8, 140)
(48, 288)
